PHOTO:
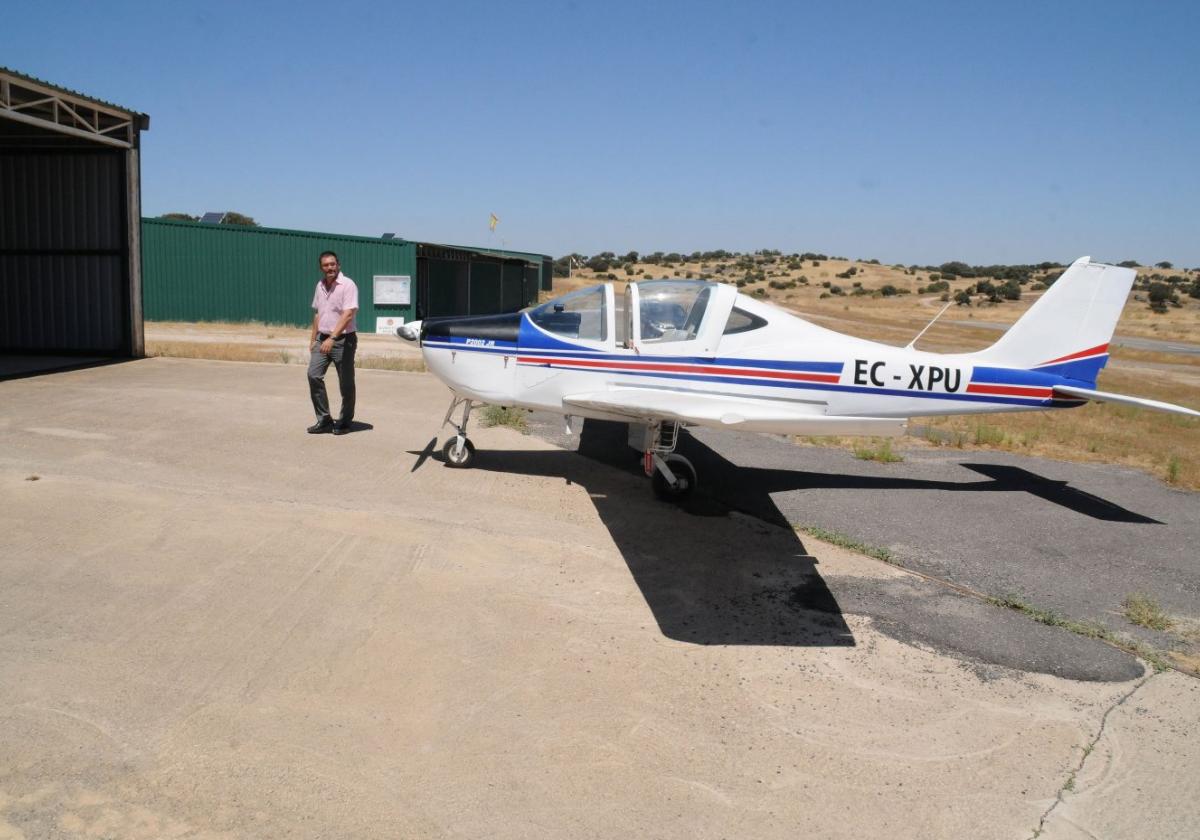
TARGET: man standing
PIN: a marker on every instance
(334, 339)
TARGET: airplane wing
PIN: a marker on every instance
(745, 414)
(1105, 396)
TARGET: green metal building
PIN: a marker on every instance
(193, 271)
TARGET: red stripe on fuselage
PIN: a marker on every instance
(1009, 390)
(1095, 351)
(661, 367)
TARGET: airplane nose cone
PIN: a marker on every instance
(410, 331)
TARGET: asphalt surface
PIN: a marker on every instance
(1073, 539)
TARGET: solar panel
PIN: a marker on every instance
(212, 218)
(389, 236)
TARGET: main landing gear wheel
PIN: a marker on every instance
(457, 456)
(685, 480)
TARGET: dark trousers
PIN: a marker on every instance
(342, 356)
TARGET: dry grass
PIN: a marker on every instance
(1164, 445)
(222, 352)
(235, 352)
(404, 363)
(1141, 609)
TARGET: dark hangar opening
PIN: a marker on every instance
(70, 207)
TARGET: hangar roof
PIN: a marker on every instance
(45, 110)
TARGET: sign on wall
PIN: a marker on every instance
(387, 326)
(393, 290)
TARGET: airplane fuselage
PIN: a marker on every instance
(791, 373)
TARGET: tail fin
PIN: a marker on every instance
(1067, 331)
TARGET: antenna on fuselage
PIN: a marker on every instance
(927, 326)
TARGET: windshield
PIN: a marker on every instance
(577, 315)
(672, 310)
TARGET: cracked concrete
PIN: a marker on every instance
(1070, 785)
(1141, 777)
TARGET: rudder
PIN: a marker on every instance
(1067, 331)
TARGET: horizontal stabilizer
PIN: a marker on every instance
(741, 413)
(1069, 391)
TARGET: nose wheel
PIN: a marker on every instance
(458, 451)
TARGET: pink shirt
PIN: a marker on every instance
(331, 303)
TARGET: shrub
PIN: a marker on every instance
(514, 418)
(1160, 295)
(963, 298)
(889, 291)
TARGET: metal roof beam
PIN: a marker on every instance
(25, 101)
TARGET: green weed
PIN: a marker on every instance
(845, 541)
(986, 435)
(1173, 470)
(882, 452)
(1144, 611)
(513, 418)
(1087, 629)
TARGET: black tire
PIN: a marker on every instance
(463, 459)
(684, 472)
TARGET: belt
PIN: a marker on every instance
(324, 336)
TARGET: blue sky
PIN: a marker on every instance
(907, 132)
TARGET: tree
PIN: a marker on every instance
(1160, 295)
(234, 218)
(963, 298)
(1163, 264)
(183, 217)
(956, 269)
(1129, 264)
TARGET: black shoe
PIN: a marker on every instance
(321, 428)
(341, 428)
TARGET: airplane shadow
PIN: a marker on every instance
(730, 582)
(749, 488)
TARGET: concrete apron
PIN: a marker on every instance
(213, 624)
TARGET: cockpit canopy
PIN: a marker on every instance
(664, 312)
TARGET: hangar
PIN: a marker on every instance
(198, 271)
(70, 211)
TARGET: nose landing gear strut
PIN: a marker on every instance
(458, 450)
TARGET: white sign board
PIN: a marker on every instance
(393, 290)
(387, 326)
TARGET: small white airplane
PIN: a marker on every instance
(673, 353)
